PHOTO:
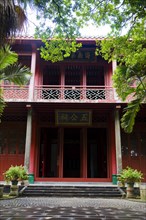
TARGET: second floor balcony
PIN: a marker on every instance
(55, 93)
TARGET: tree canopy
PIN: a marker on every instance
(129, 49)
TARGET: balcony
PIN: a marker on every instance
(77, 94)
(12, 93)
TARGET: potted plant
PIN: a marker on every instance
(15, 174)
(130, 176)
(23, 175)
(121, 181)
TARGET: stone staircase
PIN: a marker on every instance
(72, 191)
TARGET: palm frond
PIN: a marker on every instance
(21, 17)
(128, 119)
(17, 74)
(12, 19)
(8, 20)
(7, 57)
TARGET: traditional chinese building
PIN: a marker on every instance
(65, 124)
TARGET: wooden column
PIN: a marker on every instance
(112, 152)
(84, 83)
(84, 136)
(28, 138)
(62, 81)
(29, 114)
(118, 141)
(33, 144)
(61, 138)
(114, 66)
(33, 69)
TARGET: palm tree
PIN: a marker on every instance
(12, 71)
(12, 18)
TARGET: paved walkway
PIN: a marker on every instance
(41, 208)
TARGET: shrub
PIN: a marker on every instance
(16, 173)
(129, 175)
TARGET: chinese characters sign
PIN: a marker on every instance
(73, 117)
(83, 55)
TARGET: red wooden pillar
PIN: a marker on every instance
(32, 150)
(112, 159)
(84, 83)
(62, 82)
(84, 153)
(61, 138)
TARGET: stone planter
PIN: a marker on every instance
(143, 192)
(14, 190)
(130, 190)
(1, 190)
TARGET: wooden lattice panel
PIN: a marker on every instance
(74, 93)
(15, 93)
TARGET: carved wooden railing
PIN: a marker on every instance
(74, 93)
(59, 93)
(15, 93)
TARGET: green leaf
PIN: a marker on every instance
(7, 57)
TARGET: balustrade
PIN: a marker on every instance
(68, 93)
(60, 93)
(15, 93)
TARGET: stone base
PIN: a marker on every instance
(13, 190)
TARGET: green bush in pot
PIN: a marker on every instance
(130, 176)
(15, 174)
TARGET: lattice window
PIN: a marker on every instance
(95, 76)
(51, 75)
(73, 75)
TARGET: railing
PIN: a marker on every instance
(74, 93)
(15, 93)
(59, 94)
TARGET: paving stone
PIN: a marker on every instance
(71, 209)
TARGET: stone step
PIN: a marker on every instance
(65, 191)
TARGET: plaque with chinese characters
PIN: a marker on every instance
(73, 117)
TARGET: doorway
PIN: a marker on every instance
(48, 163)
(96, 153)
(71, 155)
